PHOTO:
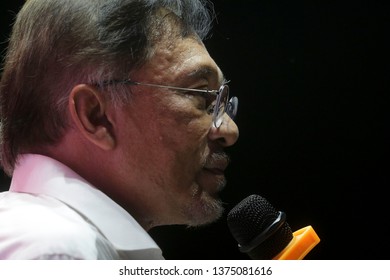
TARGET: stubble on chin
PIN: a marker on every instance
(203, 208)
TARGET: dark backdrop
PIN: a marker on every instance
(312, 84)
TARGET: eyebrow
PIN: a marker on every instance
(205, 72)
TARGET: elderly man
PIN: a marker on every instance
(114, 120)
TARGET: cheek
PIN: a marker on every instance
(184, 128)
(174, 141)
(186, 148)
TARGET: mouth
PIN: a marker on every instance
(212, 178)
(217, 163)
(215, 170)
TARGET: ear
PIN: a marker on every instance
(89, 112)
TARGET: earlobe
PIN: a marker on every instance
(89, 112)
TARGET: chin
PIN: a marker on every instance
(203, 209)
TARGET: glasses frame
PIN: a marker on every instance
(230, 105)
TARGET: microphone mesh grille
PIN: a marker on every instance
(250, 218)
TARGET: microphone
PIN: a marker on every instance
(263, 233)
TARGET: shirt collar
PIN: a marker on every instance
(37, 174)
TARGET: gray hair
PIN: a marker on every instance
(56, 45)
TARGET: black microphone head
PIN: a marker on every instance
(252, 218)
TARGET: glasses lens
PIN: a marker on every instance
(231, 107)
(221, 104)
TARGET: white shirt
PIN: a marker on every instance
(50, 212)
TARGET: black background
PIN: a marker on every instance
(313, 84)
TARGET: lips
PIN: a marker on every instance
(215, 171)
(217, 164)
(211, 179)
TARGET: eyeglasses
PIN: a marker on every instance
(218, 107)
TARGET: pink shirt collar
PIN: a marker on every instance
(37, 174)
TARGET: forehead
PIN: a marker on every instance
(178, 59)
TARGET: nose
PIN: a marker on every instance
(227, 134)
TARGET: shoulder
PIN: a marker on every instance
(36, 226)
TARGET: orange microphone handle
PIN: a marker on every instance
(303, 241)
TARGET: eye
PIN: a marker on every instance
(206, 102)
(210, 106)
(202, 100)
